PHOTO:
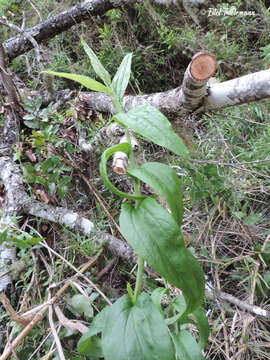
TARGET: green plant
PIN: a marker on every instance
(136, 326)
(50, 174)
(265, 52)
(36, 118)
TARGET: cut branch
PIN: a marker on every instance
(194, 87)
(241, 90)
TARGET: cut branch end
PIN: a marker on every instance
(203, 66)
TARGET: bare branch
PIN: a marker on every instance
(211, 293)
(57, 24)
(241, 90)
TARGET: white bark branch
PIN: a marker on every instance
(212, 293)
(241, 90)
(251, 87)
(19, 202)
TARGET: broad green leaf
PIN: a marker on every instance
(121, 78)
(21, 244)
(38, 103)
(98, 67)
(157, 295)
(29, 117)
(154, 235)
(61, 191)
(82, 305)
(179, 304)
(24, 243)
(65, 180)
(150, 123)
(123, 147)
(28, 107)
(83, 80)
(33, 240)
(198, 315)
(202, 325)
(99, 322)
(186, 346)
(136, 331)
(163, 179)
(90, 346)
(32, 124)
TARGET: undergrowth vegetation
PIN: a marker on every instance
(226, 182)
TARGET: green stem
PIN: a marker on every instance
(136, 185)
(139, 278)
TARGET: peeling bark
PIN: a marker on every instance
(10, 177)
(168, 102)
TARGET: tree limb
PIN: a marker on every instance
(55, 25)
(238, 91)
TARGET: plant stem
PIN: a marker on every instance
(139, 278)
(136, 185)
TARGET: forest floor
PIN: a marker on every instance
(226, 185)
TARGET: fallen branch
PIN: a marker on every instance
(212, 293)
(55, 334)
(21, 203)
(10, 136)
(59, 23)
(106, 134)
(238, 91)
(27, 35)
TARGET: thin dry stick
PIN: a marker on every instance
(73, 325)
(247, 317)
(95, 192)
(232, 337)
(50, 312)
(40, 346)
(107, 268)
(225, 332)
(78, 272)
(40, 315)
(93, 189)
(11, 347)
(55, 335)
